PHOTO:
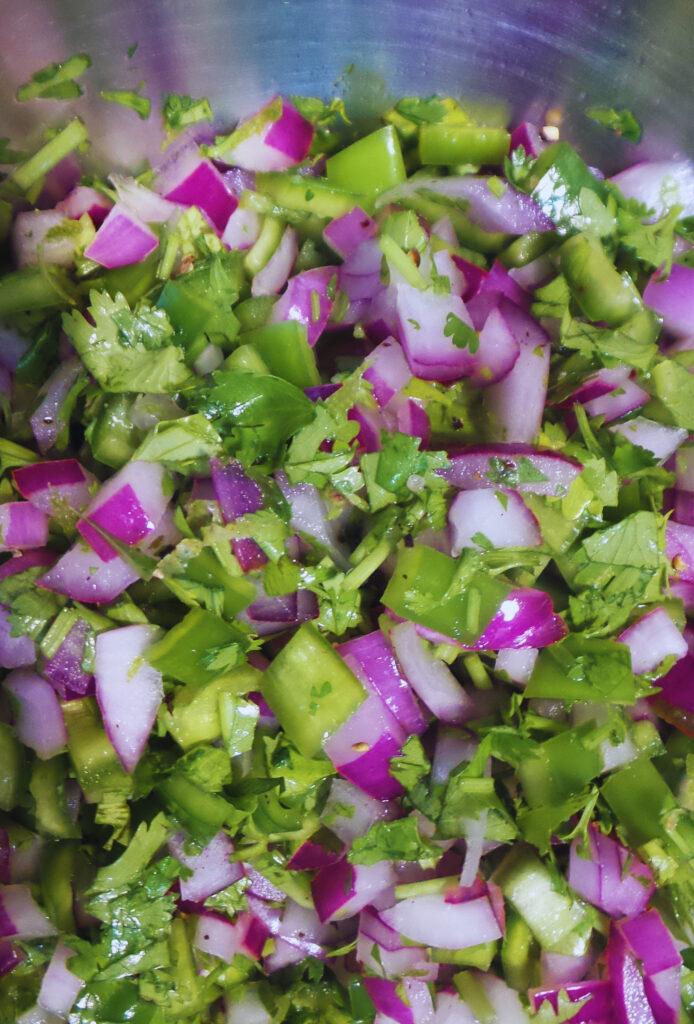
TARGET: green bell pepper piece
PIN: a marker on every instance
(95, 761)
(12, 768)
(196, 715)
(254, 311)
(319, 196)
(134, 281)
(58, 865)
(247, 358)
(584, 669)
(47, 788)
(35, 289)
(558, 920)
(451, 144)
(185, 651)
(112, 436)
(596, 285)
(285, 350)
(371, 165)
(640, 798)
(310, 690)
(424, 588)
(519, 954)
(563, 766)
(201, 813)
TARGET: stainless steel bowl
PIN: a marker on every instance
(536, 54)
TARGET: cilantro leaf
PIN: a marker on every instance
(180, 444)
(181, 110)
(391, 840)
(674, 386)
(461, 334)
(56, 81)
(635, 541)
(131, 98)
(621, 122)
(127, 351)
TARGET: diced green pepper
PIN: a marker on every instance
(324, 198)
(201, 813)
(425, 587)
(48, 790)
(480, 956)
(187, 652)
(285, 350)
(112, 436)
(555, 917)
(451, 144)
(57, 872)
(12, 768)
(133, 281)
(196, 717)
(247, 358)
(196, 576)
(95, 761)
(519, 954)
(254, 311)
(599, 289)
(468, 234)
(40, 358)
(371, 165)
(582, 668)
(640, 798)
(310, 690)
(32, 288)
(563, 766)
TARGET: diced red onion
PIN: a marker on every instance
(429, 677)
(679, 548)
(301, 928)
(129, 504)
(349, 812)
(209, 359)
(517, 403)
(273, 277)
(471, 468)
(373, 661)
(313, 855)
(600, 383)
(38, 719)
(651, 639)
(500, 515)
(387, 370)
(422, 321)
(32, 247)
(525, 618)
(393, 959)
(673, 299)
(308, 515)
(22, 525)
(20, 855)
(433, 921)
(497, 353)
(211, 867)
(149, 206)
(450, 1009)
(610, 877)
(362, 747)
(128, 689)
(561, 968)
(655, 437)
(238, 495)
(20, 916)
(341, 890)
(48, 485)
(59, 987)
(47, 422)
(122, 239)
(517, 664)
(443, 229)
(527, 135)
(248, 1008)
(408, 417)
(624, 399)
(597, 1010)
(18, 651)
(385, 997)
(84, 576)
(307, 301)
(493, 286)
(83, 199)
(64, 669)
(659, 185)
(224, 939)
(276, 145)
(472, 274)
(189, 179)
(512, 212)
(345, 234)
(650, 941)
(242, 229)
(447, 266)
(453, 746)
(538, 272)
(12, 348)
(10, 957)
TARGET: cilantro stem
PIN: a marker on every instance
(357, 576)
(402, 262)
(38, 165)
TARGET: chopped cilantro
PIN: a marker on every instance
(56, 81)
(622, 122)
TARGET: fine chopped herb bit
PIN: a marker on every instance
(131, 98)
(622, 122)
(179, 111)
(56, 81)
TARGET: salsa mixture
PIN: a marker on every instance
(347, 519)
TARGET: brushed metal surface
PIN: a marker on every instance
(561, 54)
